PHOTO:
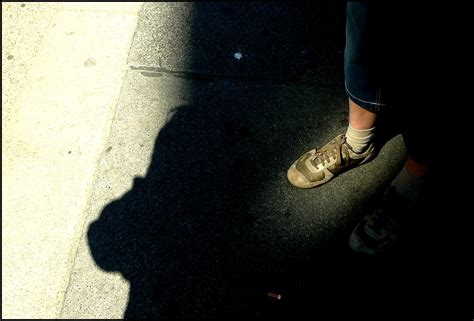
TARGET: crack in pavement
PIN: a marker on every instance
(159, 71)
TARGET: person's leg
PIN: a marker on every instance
(394, 215)
(380, 230)
(363, 87)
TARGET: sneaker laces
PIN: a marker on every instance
(332, 151)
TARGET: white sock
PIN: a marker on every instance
(359, 139)
(407, 185)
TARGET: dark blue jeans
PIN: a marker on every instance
(384, 65)
(366, 55)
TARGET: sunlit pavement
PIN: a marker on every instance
(62, 67)
(145, 156)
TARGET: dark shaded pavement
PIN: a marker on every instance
(214, 225)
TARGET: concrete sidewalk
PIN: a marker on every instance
(62, 69)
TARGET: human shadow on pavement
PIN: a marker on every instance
(192, 238)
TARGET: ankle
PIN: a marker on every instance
(407, 185)
(359, 140)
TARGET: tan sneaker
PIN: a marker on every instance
(317, 167)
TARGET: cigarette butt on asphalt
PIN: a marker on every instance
(274, 295)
